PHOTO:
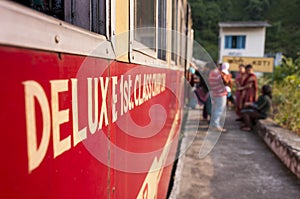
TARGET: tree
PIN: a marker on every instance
(283, 35)
(257, 8)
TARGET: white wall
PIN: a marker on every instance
(255, 42)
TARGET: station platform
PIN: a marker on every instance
(240, 165)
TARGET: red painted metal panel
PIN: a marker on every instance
(73, 174)
(143, 135)
(127, 117)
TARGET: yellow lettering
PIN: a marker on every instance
(59, 117)
(93, 124)
(114, 98)
(78, 136)
(36, 153)
(103, 113)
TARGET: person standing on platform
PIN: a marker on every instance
(218, 96)
(203, 97)
(227, 80)
(201, 92)
(240, 77)
(248, 89)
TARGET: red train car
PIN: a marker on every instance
(92, 100)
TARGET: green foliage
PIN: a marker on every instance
(286, 104)
(206, 15)
(257, 8)
(283, 35)
(288, 69)
(286, 94)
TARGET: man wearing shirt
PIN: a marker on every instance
(257, 110)
(218, 94)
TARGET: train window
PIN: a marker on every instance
(145, 23)
(182, 37)
(99, 16)
(90, 15)
(162, 20)
(53, 8)
(174, 31)
(179, 39)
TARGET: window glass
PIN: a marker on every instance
(90, 15)
(235, 42)
(145, 23)
(174, 30)
(53, 8)
(99, 16)
(162, 36)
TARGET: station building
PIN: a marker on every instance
(244, 43)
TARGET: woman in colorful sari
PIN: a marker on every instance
(248, 89)
(240, 77)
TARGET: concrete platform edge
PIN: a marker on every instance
(284, 143)
(177, 177)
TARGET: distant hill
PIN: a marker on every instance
(284, 16)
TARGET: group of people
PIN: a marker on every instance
(217, 90)
(250, 106)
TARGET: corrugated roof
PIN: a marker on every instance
(242, 24)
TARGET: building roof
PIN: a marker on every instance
(244, 24)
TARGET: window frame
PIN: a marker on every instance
(140, 53)
(174, 39)
(235, 42)
(138, 46)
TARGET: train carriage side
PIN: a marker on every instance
(92, 96)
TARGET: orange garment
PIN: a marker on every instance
(227, 79)
(249, 91)
(239, 81)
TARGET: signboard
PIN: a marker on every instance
(260, 64)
